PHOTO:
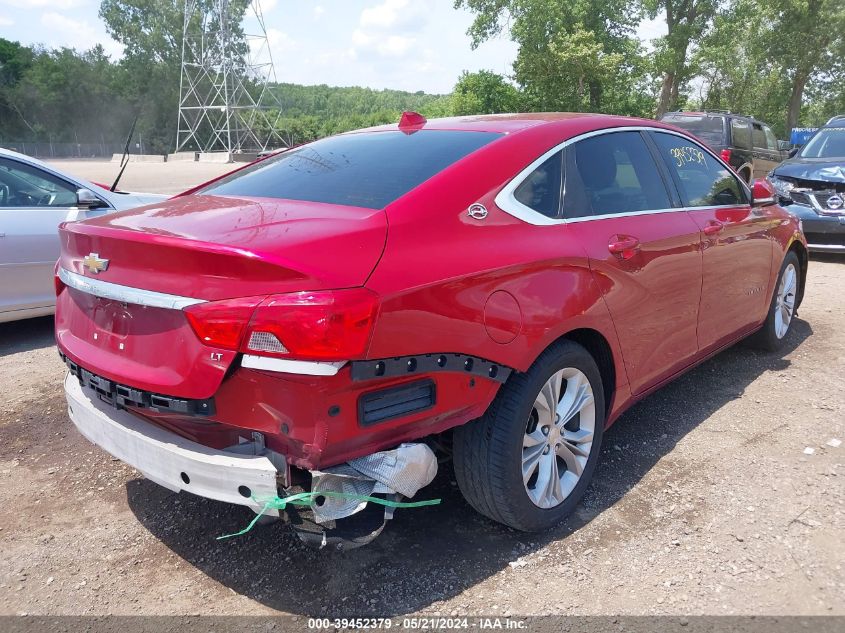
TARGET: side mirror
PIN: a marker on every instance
(793, 152)
(783, 145)
(762, 193)
(87, 199)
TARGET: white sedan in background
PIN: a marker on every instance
(34, 200)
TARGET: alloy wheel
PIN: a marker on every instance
(785, 300)
(558, 437)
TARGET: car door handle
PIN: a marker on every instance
(624, 245)
(713, 227)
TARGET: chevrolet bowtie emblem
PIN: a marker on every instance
(95, 263)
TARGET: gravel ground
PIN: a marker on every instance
(171, 178)
(720, 494)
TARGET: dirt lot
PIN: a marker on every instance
(717, 495)
(172, 177)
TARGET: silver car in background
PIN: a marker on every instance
(34, 200)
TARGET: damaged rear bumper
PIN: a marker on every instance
(249, 474)
(169, 459)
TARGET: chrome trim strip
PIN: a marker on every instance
(506, 201)
(764, 202)
(125, 294)
(606, 216)
(833, 248)
(308, 368)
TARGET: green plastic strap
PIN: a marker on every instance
(305, 499)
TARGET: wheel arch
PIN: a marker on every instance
(804, 260)
(599, 348)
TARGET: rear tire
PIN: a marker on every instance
(782, 309)
(526, 463)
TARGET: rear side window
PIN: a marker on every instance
(611, 174)
(710, 129)
(365, 169)
(702, 180)
(541, 189)
(741, 134)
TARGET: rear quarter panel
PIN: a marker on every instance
(542, 268)
(785, 234)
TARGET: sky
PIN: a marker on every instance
(400, 44)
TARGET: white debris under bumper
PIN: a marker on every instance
(168, 459)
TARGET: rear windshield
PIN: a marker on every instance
(828, 142)
(709, 129)
(366, 169)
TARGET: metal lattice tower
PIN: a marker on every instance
(225, 104)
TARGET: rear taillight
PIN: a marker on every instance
(320, 325)
(222, 323)
(57, 281)
(323, 325)
(726, 155)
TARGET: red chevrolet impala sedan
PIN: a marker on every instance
(499, 288)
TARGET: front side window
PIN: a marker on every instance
(364, 169)
(540, 190)
(23, 185)
(702, 180)
(828, 142)
(612, 173)
(740, 134)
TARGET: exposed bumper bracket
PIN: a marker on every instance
(429, 363)
(121, 396)
(826, 248)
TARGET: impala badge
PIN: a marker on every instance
(477, 211)
(95, 263)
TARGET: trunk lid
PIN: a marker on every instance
(206, 248)
(212, 247)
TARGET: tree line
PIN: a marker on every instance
(782, 61)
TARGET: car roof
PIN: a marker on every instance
(27, 159)
(511, 123)
(715, 114)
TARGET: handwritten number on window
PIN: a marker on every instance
(687, 155)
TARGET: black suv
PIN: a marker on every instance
(811, 184)
(747, 145)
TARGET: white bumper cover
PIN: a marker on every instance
(168, 459)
